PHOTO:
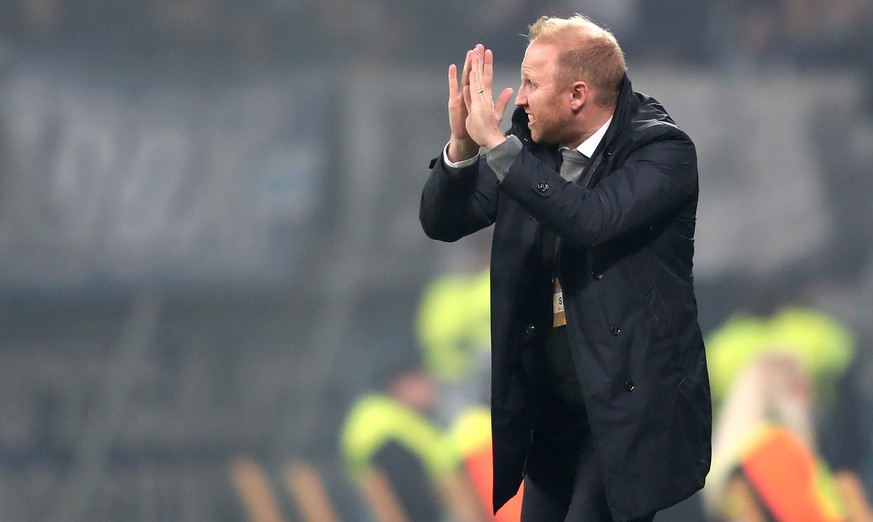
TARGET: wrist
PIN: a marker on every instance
(460, 149)
(493, 141)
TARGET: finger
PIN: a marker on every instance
(480, 69)
(488, 69)
(502, 101)
(474, 54)
(471, 72)
(476, 75)
(465, 74)
(453, 80)
(468, 101)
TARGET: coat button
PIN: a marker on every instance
(542, 186)
(597, 277)
(615, 329)
(529, 329)
(629, 385)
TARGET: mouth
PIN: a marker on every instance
(531, 119)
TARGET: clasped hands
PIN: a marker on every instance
(474, 115)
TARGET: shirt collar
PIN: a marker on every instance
(588, 146)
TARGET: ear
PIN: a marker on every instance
(579, 93)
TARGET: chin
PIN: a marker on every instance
(543, 138)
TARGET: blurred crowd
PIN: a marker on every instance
(736, 33)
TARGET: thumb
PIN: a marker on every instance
(502, 101)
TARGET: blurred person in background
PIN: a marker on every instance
(772, 377)
(470, 435)
(454, 330)
(600, 395)
(402, 462)
(453, 326)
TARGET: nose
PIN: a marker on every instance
(520, 98)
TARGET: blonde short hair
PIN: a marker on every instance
(588, 52)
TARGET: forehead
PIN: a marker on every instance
(539, 59)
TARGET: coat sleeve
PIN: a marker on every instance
(456, 203)
(655, 181)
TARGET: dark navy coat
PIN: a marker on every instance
(625, 263)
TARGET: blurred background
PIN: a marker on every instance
(210, 248)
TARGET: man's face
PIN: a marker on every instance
(547, 106)
(416, 390)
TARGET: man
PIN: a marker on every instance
(600, 395)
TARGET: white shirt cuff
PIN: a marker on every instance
(461, 164)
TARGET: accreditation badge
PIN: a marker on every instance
(560, 318)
